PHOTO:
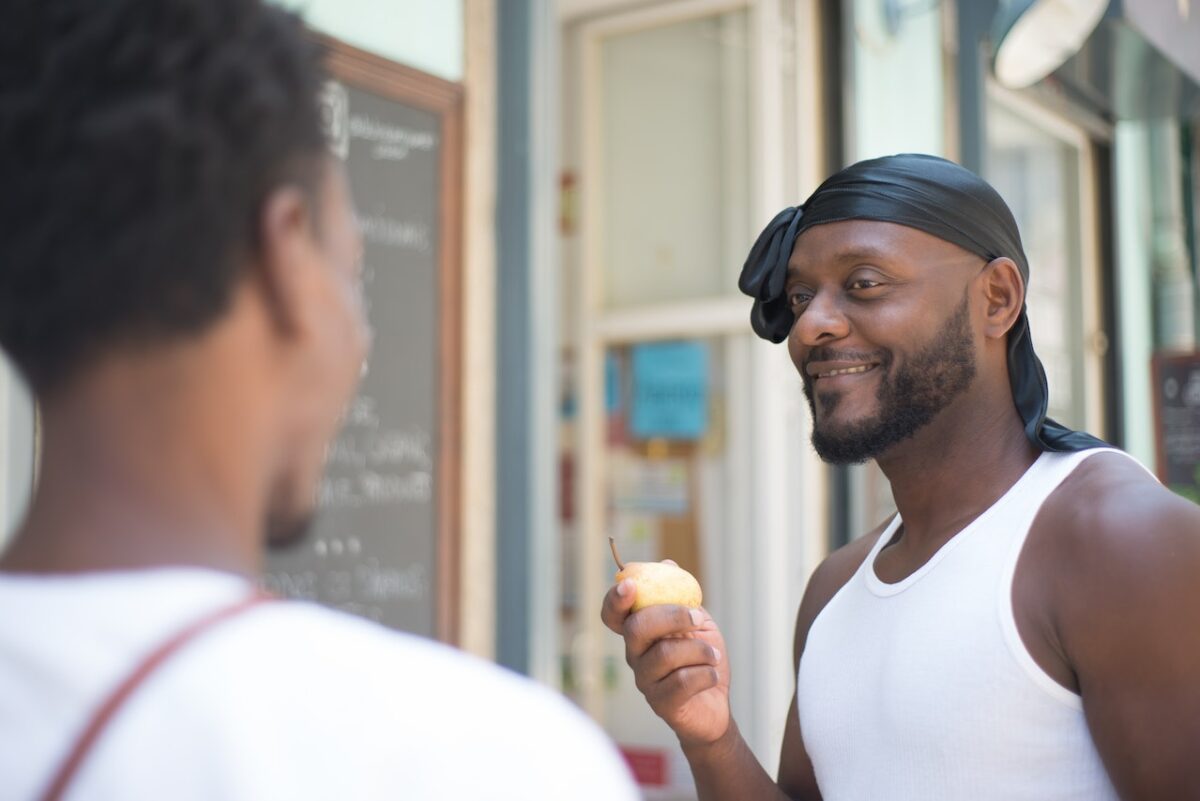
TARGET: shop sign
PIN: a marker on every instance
(650, 486)
(648, 765)
(670, 390)
(1177, 421)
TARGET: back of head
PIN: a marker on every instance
(138, 139)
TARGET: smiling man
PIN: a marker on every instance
(1024, 628)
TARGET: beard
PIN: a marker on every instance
(908, 401)
(290, 517)
(286, 531)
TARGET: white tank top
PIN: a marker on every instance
(923, 691)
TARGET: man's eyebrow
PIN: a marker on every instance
(852, 255)
(858, 254)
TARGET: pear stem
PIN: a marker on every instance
(612, 544)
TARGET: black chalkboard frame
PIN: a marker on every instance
(444, 99)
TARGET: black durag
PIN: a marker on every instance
(932, 195)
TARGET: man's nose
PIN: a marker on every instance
(823, 320)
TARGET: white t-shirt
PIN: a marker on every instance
(285, 701)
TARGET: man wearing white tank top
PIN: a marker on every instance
(180, 282)
(1027, 626)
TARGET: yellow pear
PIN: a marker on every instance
(658, 582)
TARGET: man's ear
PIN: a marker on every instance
(285, 241)
(1004, 291)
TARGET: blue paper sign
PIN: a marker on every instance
(612, 383)
(670, 390)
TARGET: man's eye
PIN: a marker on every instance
(798, 298)
(863, 283)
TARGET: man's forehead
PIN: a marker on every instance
(849, 242)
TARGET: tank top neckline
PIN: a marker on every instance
(879, 587)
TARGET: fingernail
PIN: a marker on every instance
(697, 618)
(717, 656)
(623, 588)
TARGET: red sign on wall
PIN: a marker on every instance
(649, 765)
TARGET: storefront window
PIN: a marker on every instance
(896, 69)
(1170, 160)
(897, 104)
(674, 491)
(674, 106)
(1037, 172)
(1157, 300)
(671, 189)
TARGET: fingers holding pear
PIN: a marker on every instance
(673, 645)
(669, 656)
(663, 621)
(678, 659)
(680, 698)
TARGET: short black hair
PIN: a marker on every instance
(138, 142)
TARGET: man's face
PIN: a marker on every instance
(883, 337)
(333, 353)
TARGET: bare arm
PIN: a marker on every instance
(1129, 622)
(679, 664)
(689, 688)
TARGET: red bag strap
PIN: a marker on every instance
(121, 693)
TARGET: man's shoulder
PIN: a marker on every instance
(1110, 528)
(311, 627)
(1110, 504)
(302, 637)
(287, 699)
(370, 667)
(394, 699)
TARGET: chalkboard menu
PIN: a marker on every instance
(385, 542)
(1177, 418)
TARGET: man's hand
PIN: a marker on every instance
(679, 663)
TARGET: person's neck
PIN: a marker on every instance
(124, 485)
(956, 468)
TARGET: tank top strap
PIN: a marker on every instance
(888, 533)
(1048, 472)
(115, 701)
(1052, 469)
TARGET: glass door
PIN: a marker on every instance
(685, 436)
(1042, 167)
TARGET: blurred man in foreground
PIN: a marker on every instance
(179, 282)
(1024, 628)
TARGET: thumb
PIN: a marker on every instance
(626, 592)
(618, 602)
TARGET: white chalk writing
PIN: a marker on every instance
(391, 142)
(381, 230)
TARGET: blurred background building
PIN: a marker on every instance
(609, 163)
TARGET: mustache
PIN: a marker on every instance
(823, 354)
